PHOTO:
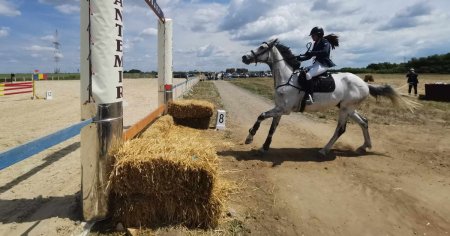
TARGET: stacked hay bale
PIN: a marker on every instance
(192, 113)
(368, 78)
(168, 176)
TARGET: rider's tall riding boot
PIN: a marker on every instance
(309, 92)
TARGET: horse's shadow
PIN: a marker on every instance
(279, 155)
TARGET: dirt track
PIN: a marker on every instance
(400, 187)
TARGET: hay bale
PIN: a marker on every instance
(183, 109)
(368, 78)
(191, 113)
(166, 177)
(196, 123)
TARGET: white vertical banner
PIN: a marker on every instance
(165, 63)
(101, 53)
(101, 63)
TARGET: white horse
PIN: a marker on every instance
(350, 91)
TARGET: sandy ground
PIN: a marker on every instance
(40, 195)
(400, 187)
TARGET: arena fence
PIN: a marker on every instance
(16, 88)
(180, 89)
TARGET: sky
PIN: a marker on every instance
(212, 35)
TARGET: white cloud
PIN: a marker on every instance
(37, 48)
(149, 31)
(210, 51)
(64, 6)
(59, 55)
(409, 17)
(8, 9)
(4, 31)
(49, 38)
(68, 9)
(59, 2)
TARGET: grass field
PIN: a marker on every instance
(377, 111)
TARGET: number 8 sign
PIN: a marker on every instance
(221, 116)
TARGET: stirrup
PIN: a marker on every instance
(310, 100)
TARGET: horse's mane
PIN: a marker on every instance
(333, 39)
(288, 56)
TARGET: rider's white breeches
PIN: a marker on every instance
(315, 69)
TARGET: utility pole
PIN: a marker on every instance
(56, 52)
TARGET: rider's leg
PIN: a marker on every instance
(316, 69)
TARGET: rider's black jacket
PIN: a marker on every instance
(321, 50)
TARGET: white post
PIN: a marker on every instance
(101, 57)
(165, 69)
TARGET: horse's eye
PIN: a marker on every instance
(261, 47)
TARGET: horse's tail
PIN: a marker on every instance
(389, 92)
(333, 39)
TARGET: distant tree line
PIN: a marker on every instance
(431, 64)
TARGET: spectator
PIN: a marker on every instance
(412, 81)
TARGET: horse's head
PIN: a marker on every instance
(261, 54)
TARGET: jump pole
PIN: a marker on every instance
(101, 72)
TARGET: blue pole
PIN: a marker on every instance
(22, 152)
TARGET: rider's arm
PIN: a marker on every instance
(304, 57)
(323, 50)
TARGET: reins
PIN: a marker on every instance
(288, 83)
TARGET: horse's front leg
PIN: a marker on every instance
(263, 116)
(252, 131)
(273, 127)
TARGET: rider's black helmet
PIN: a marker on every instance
(317, 31)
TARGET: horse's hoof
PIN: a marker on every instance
(323, 153)
(361, 150)
(248, 140)
(262, 151)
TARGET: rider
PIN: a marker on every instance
(321, 52)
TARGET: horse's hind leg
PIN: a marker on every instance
(273, 127)
(340, 129)
(364, 124)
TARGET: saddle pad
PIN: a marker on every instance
(324, 84)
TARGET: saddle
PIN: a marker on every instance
(323, 83)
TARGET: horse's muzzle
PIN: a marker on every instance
(245, 59)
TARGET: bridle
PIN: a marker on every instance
(269, 47)
(260, 53)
